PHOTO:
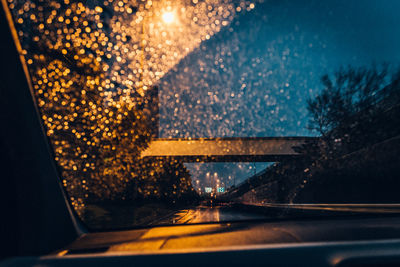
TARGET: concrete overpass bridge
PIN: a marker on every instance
(234, 149)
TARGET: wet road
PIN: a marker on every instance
(203, 214)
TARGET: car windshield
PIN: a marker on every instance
(193, 111)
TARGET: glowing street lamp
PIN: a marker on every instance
(168, 17)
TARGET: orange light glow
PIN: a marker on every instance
(168, 17)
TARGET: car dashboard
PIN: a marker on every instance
(326, 242)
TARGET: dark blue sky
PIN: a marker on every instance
(253, 78)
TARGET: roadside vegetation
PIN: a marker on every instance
(357, 159)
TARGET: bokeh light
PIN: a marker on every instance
(95, 68)
(168, 17)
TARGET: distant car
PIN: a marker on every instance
(209, 202)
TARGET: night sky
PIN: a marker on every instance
(253, 78)
(272, 59)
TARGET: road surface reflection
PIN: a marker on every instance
(228, 213)
(203, 214)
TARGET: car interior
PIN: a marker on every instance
(40, 226)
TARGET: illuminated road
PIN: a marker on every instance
(202, 214)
